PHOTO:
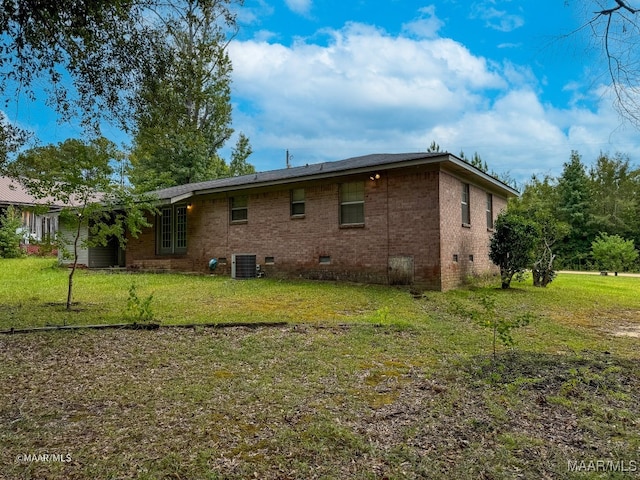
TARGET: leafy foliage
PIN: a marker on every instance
(572, 209)
(434, 147)
(501, 325)
(79, 174)
(574, 201)
(511, 245)
(614, 196)
(139, 310)
(10, 236)
(238, 164)
(183, 113)
(12, 138)
(613, 252)
(538, 203)
(103, 46)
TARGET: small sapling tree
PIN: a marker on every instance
(79, 174)
(500, 325)
(139, 310)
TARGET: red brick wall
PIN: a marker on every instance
(465, 241)
(401, 220)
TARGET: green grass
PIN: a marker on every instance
(33, 293)
(365, 382)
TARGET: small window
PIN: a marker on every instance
(325, 259)
(269, 260)
(455, 257)
(471, 258)
(489, 211)
(466, 211)
(239, 208)
(352, 203)
(297, 202)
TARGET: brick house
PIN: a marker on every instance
(415, 218)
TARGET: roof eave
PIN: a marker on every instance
(323, 175)
(485, 176)
(428, 159)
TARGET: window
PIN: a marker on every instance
(239, 210)
(297, 202)
(352, 203)
(324, 260)
(172, 230)
(489, 211)
(466, 211)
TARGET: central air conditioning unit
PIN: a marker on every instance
(243, 266)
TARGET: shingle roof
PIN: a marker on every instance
(320, 170)
(12, 192)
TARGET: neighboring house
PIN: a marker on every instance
(38, 225)
(415, 218)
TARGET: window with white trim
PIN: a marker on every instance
(352, 203)
(239, 208)
(297, 202)
(172, 230)
(466, 210)
(489, 211)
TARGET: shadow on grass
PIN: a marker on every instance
(598, 371)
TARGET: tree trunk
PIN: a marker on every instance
(506, 279)
(75, 261)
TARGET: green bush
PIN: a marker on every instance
(10, 236)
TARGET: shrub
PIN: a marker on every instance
(10, 234)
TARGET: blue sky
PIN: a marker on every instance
(330, 79)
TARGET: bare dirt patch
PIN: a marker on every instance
(627, 331)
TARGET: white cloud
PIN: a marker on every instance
(301, 7)
(426, 26)
(365, 91)
(500, 20)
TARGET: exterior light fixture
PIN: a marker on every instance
(374, 177)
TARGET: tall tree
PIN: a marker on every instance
(79, 174)
(109, 49)
(434, 147)
(615, 193)
(238, 164)
(574, 204)
(183, 116)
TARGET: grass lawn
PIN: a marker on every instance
(363, 382)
